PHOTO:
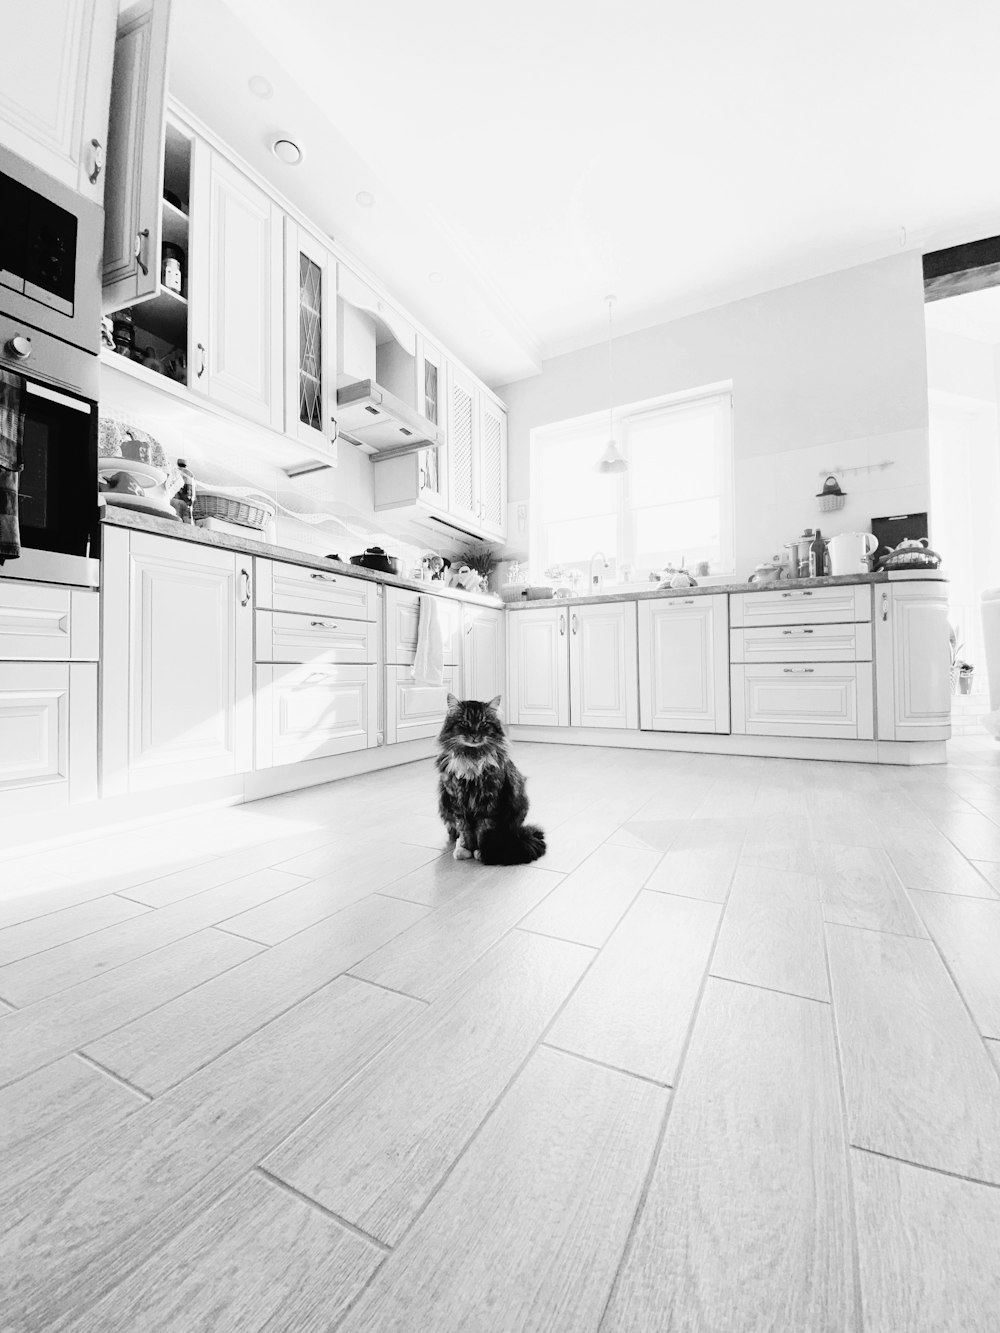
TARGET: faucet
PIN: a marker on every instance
(595, 582)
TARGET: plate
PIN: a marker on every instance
(145, 503)
(144, 473)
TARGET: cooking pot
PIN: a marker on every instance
(376, 558)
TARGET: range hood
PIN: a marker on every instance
(380, 423)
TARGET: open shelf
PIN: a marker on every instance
(175, 225)
(165, 316)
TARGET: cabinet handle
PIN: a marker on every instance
(245, 599)
(678, 601)
(796, 631)
(201, 360)
(576, 623)
(885, 606)
(139, 237)
(797, 671)
(321, 624)
(326, 578)
(562, 623)
(802, 592)
(97, 158)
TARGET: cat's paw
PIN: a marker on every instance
(461, 852)
(478, 855)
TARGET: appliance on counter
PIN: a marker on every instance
(849, 552)
(896, 528)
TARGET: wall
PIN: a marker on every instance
(827, 373)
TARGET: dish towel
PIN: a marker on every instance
(11, 462)
(428, 661)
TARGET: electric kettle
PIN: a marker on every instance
(849, 552)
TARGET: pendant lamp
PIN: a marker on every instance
(611, 459)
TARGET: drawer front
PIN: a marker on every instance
(414, 712)
(824, 700)
(42, 623)
(801, 606)
(402, 617)
(284, 587)
(802, 643)
(34, 724)
(287, 636)
(310, 712)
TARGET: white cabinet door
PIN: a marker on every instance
(177, 663)
(55, 80)
(132, 202)
(402, 624)
(286, 587)
(829, 700)
(413, 711)
(235, 280)
(309, 712)
(310, 341)
(492, 500)
(604, 687)
(463, 448)
(913, 659)
(684, 664)
(483, 654)
(48, 735)
(538, 668)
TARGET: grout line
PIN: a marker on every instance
(876, 930)
(774, 990)
(247, 939)
(365, 981)
(110, 1073)
(563, 939)
(925, 1166)
(603, 1064)
(310, 1202)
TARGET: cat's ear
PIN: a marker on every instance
(494, 703)
(452, 702)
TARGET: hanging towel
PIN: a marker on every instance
(11, 462)
(428, 661)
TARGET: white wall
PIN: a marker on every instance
(825, 373)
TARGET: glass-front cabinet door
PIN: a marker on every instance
(310, 331)
(431, 403)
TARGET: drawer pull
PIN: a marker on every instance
(687, 601)
(802, 592)
(796, 631)
(321, 624)
(326, 578)
(796, 671)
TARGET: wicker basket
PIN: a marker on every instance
(252, 513)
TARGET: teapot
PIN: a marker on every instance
(849, 552)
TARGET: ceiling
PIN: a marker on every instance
(535, 156)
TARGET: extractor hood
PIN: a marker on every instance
(379, 422)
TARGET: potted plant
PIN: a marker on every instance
(965, 675)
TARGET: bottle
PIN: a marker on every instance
(183, 501)
(817, 556)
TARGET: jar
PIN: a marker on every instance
(123, 333)
(172, 267)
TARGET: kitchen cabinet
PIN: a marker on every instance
(55, 83)
(684, 664)
(477, 457)
(46, 622)
(282, 586)
(402, 619)
(136, 217)
(177, 654)
(415, 710)
(483, 655)
(418, 481)
(48, 735)
(310, 341)
(826, 699)
(236, 267)
(834, 604)
(492, 484)
(574, 666)
(311, 711)
(913, 661)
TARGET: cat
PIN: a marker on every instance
(481, 793)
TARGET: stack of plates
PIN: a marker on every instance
(147, 476)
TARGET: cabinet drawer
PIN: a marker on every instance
(309, 712)
(801, 606)
(284, 587)
(34, 724)
(824, 700)
(802, 643)
(39, 622)
(288, 636)
(402, 615)
(414, 712)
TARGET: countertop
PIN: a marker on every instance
(164, 527)
(639, 594)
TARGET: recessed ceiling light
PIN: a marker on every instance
(365, 198)
(260, 87)
(435, 276)
(287, 151)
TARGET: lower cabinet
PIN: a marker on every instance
(48, 734)
(314, 710)
(684, 664)
(177, 656)
(483, 655)
(914, 661)
(574, 666)
(824, 699)
(414, 711)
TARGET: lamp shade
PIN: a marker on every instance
(611, 459)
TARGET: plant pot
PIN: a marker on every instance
(965, 682)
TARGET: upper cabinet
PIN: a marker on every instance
(310, 341)
(237, 265)
(55, 81)
(477, 457)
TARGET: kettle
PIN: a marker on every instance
(849, 552)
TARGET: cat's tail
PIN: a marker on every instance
(511, 846)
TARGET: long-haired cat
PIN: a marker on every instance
(481, 793)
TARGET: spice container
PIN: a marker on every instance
(172, 267)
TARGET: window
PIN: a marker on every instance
(673, 505)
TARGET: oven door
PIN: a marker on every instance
(57, 489)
